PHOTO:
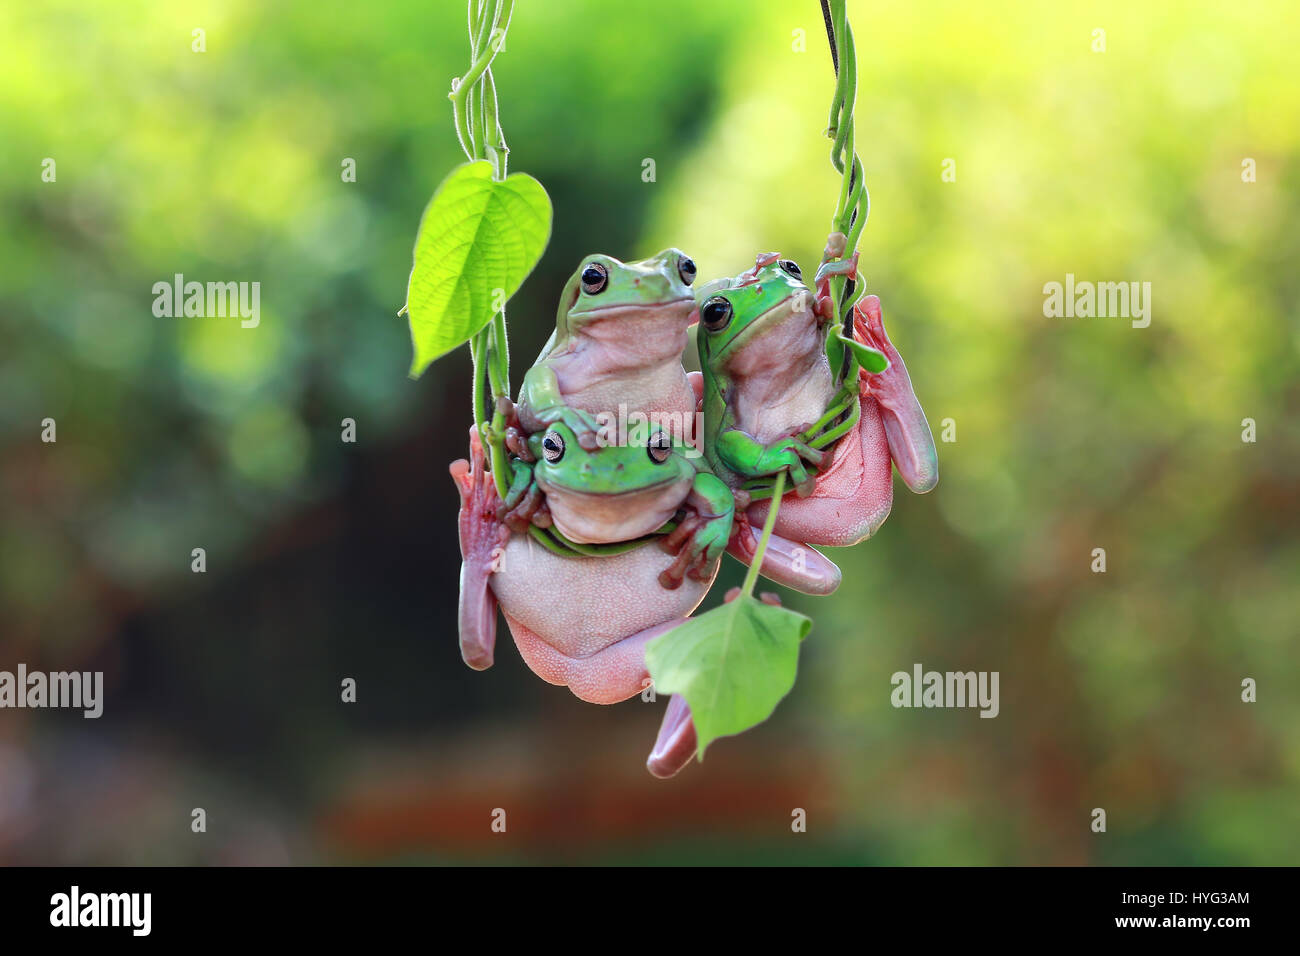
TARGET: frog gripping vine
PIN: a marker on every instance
(592, 483)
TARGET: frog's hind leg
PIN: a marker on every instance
(482, 535)
(675, 745)
(606, 677)
(910, 443)
(787, 562)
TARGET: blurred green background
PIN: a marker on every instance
(329, 560)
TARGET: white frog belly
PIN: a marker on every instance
(605, 519)
(664, 396)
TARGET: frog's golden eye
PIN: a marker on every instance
(660, 447)
(790, 267)
(686, 269)
(594, 278)
(715, 314)
(553, 447)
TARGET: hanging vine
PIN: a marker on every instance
(729, 689)
(480, 215)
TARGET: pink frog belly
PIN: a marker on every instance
(583, 623)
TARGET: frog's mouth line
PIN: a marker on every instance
(607, 495)
(761, 323)
(634, 305)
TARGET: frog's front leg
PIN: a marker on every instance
(482, 536)
(744, 455)
(525, 502)
(701, 538)
(541, 403)
(911, 445)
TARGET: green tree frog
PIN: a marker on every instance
(620, 331)
(763, 341)
(581, 622)
(618, 493)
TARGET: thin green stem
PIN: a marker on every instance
(482, 60)
(480, 26)
(501, 351)
(493, 365)
(478, 127)
(751, 577)
(849, 217)
(460, 118)
(477, 345)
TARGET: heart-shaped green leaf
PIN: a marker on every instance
(478, 240)
(873, 360)
(733, 664)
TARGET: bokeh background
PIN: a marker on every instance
(329, 560)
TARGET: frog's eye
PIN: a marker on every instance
(660, 447)
(790, 267)
(553, 447)
(715, 314)
(594, 278)
(686, 269)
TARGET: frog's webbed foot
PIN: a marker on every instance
(824, 308)
(523, 514)
(583, 424)
(513, 433)
(745, 455)
(687, 561)
(793, 452)
(836, 267)
(836, 243)
(525, 502)
(508, 410)
(541, 404)
(808, 485)
(832, 265)
(698, 565)
(517, 444)
(911, 445)
(869, 329)
(701, 537)
(744, 537)
(482, 536)
(761, 261)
